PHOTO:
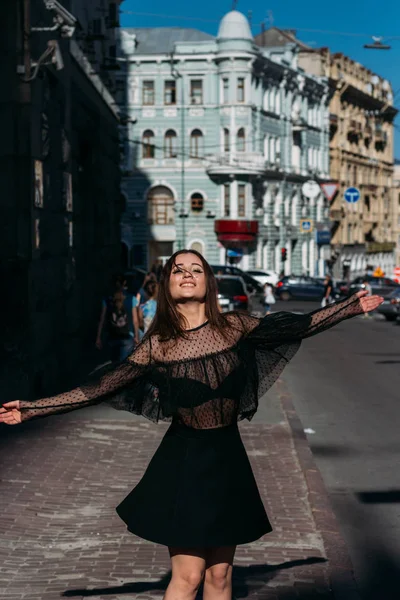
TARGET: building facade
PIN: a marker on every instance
(60, 202)
(364, 234)
(221, 136)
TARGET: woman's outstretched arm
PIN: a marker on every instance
(327, 317)
(92, 392)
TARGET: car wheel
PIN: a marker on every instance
(390, 317)
(286, 296)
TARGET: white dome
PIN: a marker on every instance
(234, 26)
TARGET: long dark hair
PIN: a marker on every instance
(168, 323)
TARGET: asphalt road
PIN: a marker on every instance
(345, 385)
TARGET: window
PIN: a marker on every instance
(241, 200)
(37, 234)
(160, 205)
(226, 140)
(196, 202)
(196, 91)
(170, 144)
(70, 234)
(367, 203)
(170, 92)
(148, 93)
(241, 140)
(240, 89)
(148, 144)
(225, 90)
(227, 200)
(196, 143)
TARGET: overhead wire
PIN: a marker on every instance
(301, 29)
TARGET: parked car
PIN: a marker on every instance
(390, 307)
(233, 294)
(299, 287)
(252, 284)
(264, 277)
(382, 286)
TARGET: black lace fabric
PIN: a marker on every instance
(207, 380)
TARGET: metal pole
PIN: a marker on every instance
(183, 241)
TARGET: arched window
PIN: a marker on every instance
(148, 144)
(226, 140)
(160, 206)
(241, 140)
(170, 144)
(196, 202)
(198, 246)
(196, 144)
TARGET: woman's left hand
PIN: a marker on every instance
(368, 303)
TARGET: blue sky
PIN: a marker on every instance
(349, 16)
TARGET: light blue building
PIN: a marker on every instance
(220, 137)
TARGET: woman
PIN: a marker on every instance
(119, 316)
(269, 298)
(148, 309)
(204, 370)
(328, 291)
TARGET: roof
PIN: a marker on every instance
(234, 26)
(161, 40)
(274, 37)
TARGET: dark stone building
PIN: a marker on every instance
(60, 191)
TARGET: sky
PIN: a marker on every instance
(332, 20)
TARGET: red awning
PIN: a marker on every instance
(236, 237)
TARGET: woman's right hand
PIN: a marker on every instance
(10, 413)
(99, 344)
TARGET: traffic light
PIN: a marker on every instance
(283, 254)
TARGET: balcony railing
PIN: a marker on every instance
(236, 161)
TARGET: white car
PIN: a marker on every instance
(264, 276)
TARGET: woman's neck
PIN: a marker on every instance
(194, 313)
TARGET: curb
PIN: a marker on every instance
(341, 572)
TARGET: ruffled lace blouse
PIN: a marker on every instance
(207, 380)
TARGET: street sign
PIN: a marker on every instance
(329, 189)
(306, 225)
(352, 195)
(310, 189)
(323, 237)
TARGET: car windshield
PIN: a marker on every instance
(263, 273)
(230, 286)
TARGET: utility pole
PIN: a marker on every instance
(176, 75)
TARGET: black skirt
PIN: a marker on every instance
(198, 491)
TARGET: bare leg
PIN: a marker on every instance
(188, 568)
(218, 576)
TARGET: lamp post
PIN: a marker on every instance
(177, 75)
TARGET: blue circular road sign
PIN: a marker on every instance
(352, 195)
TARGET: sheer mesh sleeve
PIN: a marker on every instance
(269, 344)
(108, 383)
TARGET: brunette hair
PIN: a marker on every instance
(150, 287)
(168, 323)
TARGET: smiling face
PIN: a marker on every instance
(187, 280)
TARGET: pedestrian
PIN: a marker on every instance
(368, 289)
(269, 298)
(119, 317)
(328, 291)
(147, 310)
(204, 370)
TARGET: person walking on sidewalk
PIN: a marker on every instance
(328, 291)
(203, 370)
(119, 317)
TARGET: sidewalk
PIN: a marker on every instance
(60, 535)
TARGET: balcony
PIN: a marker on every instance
(240, 163)
(235, 232)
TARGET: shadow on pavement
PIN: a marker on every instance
(381, 497)
(245, 580)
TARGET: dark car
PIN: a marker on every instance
(233, 294)
(383, 286)
(390, 307)
(299, 287)
(252, 284)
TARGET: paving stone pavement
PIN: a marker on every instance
(60, 535)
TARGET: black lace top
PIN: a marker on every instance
(207, 380)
